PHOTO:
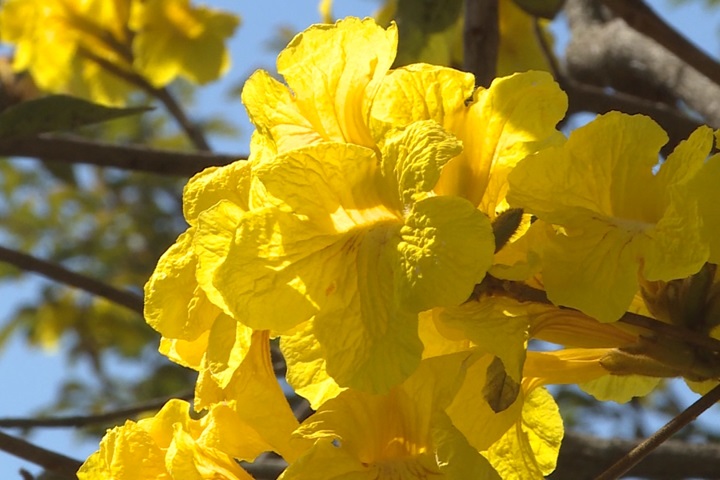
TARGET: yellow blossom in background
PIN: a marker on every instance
(613, 232)
(174, 38)
(56, 41)
(101, 49)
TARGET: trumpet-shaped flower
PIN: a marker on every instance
(498, 126)
(171, 445)
(619, 220)
(332, 72)
(359, 245)
(403, 434)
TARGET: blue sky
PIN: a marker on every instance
(30, 377)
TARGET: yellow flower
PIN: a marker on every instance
(171, 445)
(403, 434)
(498, 126)
(173, 38)
(619, 220)
(357, 241)
(57, 39)
(332, 74)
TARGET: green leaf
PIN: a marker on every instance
(430, 32)
(500, 390)
(57, 112)
(541, 8)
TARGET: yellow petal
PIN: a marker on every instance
(214, 184)
(446, 248)
(495, 325)
(613, 230)
(306, 369)
(332, 72)
(618, 388)
(421, 92)
(335, 71)
(530, 448)
(472, 415)
(117, 457)
(174, 304)
(516, 116)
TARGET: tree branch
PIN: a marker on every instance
(606, 52)
(136, 158)
(641, 451)
(84, 420)
(481, 40)
(590, 98)
(163, 94)
(643, 19)
(60, 274)
(582, 456)
(49, 460)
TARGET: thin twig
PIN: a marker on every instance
(70, 149)
(481, 40)
(643, 449)
(163, 94)
(84, 420)
(49, 460)
(643, 19)
(60, 274)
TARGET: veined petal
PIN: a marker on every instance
(306, 369)
(613, 230)
(188, 353)
(205, 189)
(446, 248)
(387, 436)
(229, 342)
(600, 259)
(473, 416)
(530, 448)
(620, 388)
(370, 342)
(255, 395)
(704, 189)
(276, 115)
(214, 233)
(495, 325)
(572, 365)
(515, 117)
(174, 304)
(118, 453)
(332, 72)
(335, 71)
(413, 157)
(421, 92)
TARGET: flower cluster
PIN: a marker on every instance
(403, 235)
(102, 49)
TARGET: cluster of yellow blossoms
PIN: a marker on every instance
(376, 232)
(102, 49)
